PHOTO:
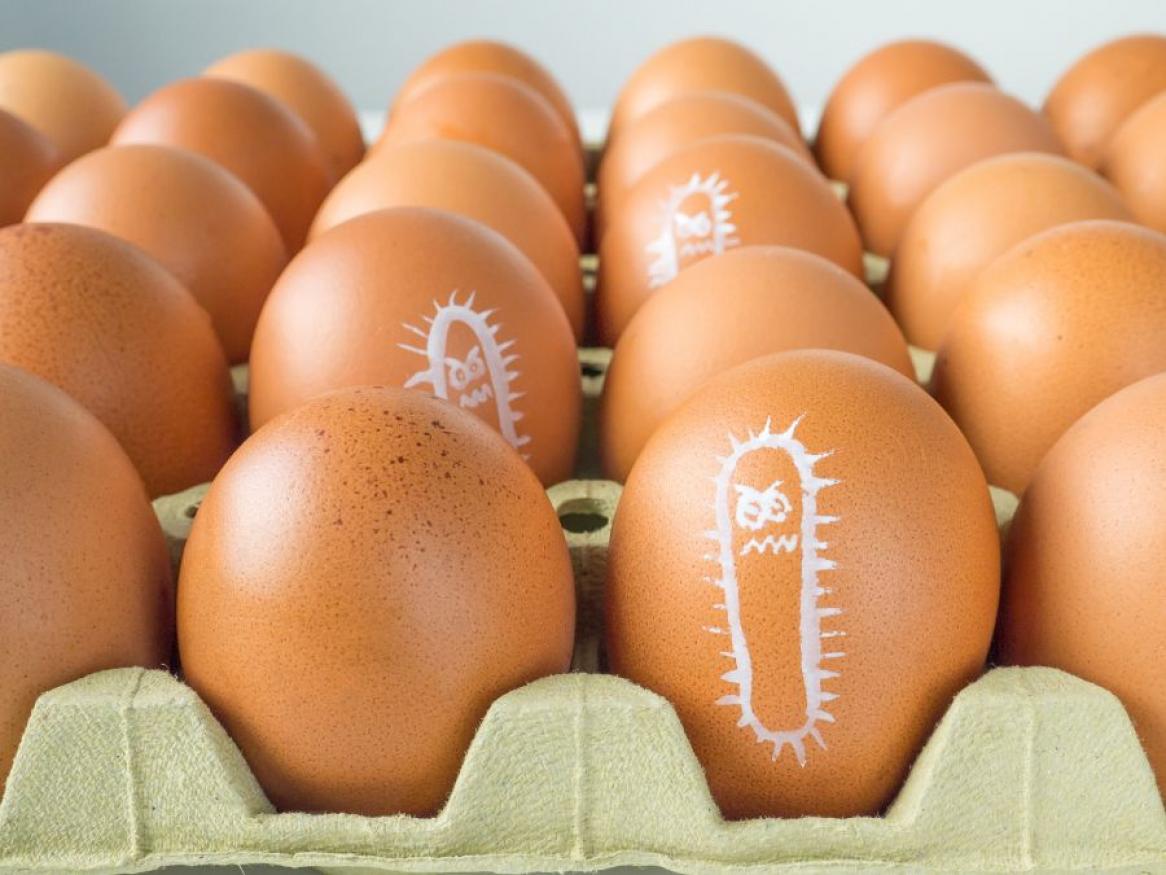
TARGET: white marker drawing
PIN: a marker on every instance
(756, 510)
(708, 230)
(461, 380)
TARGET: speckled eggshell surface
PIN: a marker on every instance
(366, 576)
(109, 325)
(717, 194)
(1052, 327)
(975, 217)
(805, 563)
(198, 220)
(27, 160)
(84, 573)
(1135, 161)
(428, 300)
(474, 182)
(722, 312)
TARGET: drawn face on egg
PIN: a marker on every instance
(697, 222)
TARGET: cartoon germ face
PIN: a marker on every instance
(697, 221)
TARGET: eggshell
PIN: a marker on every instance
(1083, 581)
(351, 640)
(490, 56)
(725, 311)
(805, 563)
(27, 160)
(974, 217)
(1049, 329)
(727, 191)
(679, 122)
(84, 574)
(199, 221)
(877, 83)
(1093, 97)
(1135, 161)
(502, 114)
(474, 182)
(254, 136)
(424, 299)
(66, 101)
(106, 323)
(310, 92)
(703, 63)
(927, 140)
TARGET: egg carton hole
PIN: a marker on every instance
(583, 515)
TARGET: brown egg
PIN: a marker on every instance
(471, 181)
(84, 574)
(106, 323)
(974, 217)
(309, 92)
(928, 139)
(351, 640)
(725, 311)
(1083, 580)
(880, 81)
(254, 136)
(719, 193)
(805, 563)
(27, 160)
(66, 101)
(1135, 161)
(704, 63)
(502, 114)
(424, 299)
(194, 217)
(489, 56)
(679, 122)
(1095, 95)
(1049, 329)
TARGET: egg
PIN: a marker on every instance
(679, 122)
(351, 640)
(471, 181)
(1083, 580)
(877, 83)
(429, 300)
(1135, 161)
(928, 139)
(310, 92)
(1092, 98)
(109, 325)
(254, 136)
(974, 217)
(190, 214)
(27, 160)
(491, 56)
(717, 194)
(722, 312)
(1056, 324)
(66, 101)
(84, 573)
(702, 63)
(805, 563)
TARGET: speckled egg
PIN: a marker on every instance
(877, 83)
(719, 193)
(1135, 161)
(928, 139)
(84, 573)
(1052, 327)
(431, 301)
(27, 160)
(351, 639)
(805, 563)
(109, 325)
(194, 217)
(251, 134)
(725, 311)
(976, 216)
(1094, 96)
(471, 181)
